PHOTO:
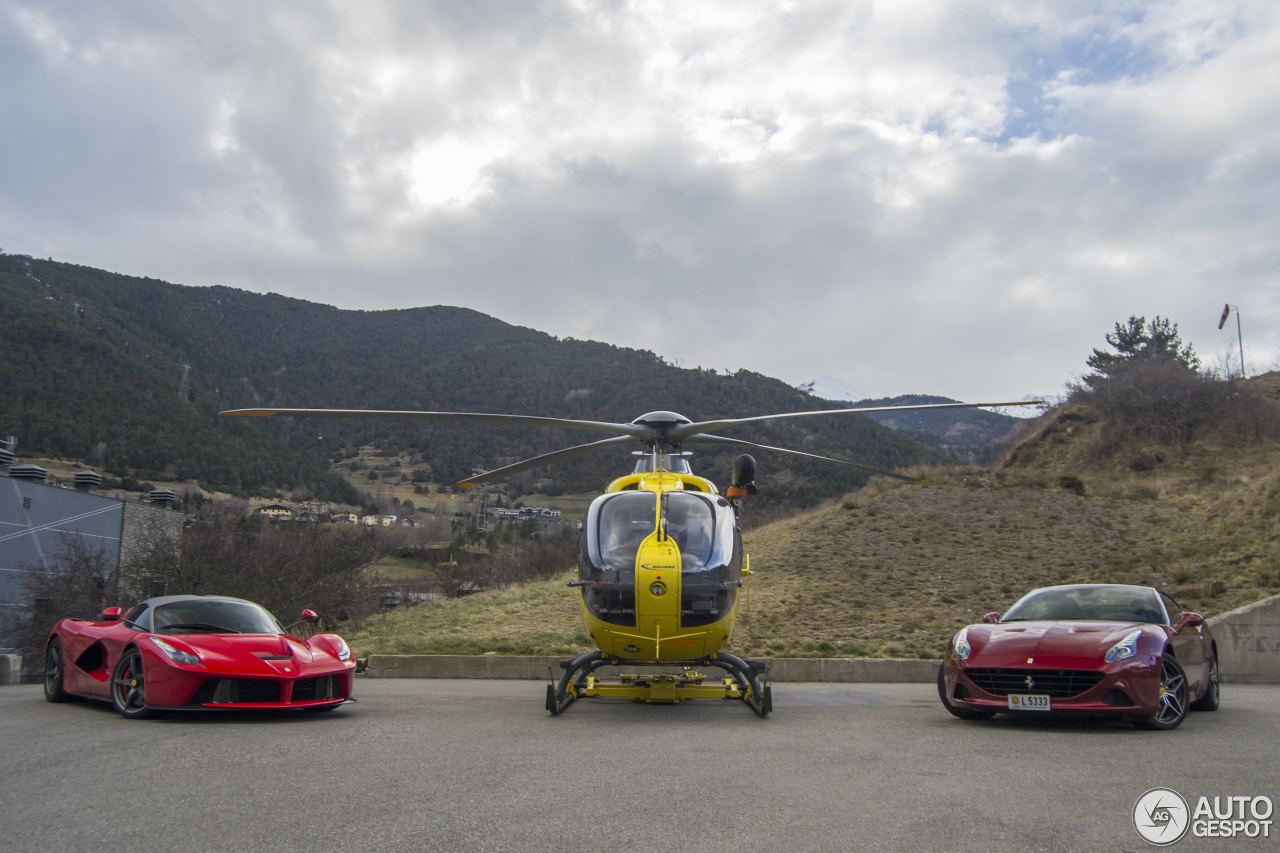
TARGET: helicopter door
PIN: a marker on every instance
(705, 530)
(616, 525)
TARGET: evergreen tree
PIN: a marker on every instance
(1137, 340)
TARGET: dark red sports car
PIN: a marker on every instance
(195, 652)
(1105, 649)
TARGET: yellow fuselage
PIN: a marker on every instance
(658, 634)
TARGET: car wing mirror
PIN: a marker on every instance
(991, 618)
(1188, 620)
(111, 614)
(307, 616)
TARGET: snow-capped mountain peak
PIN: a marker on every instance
(830, 388)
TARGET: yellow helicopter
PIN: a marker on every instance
(660, 559)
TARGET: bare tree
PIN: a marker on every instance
(78, 580)
(284, 567)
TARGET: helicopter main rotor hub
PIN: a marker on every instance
(661, 423)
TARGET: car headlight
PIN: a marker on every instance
(344, 653)
(1125, 649)
(961, 648)
(176, 655)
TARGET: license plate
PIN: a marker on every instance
(1028, 702)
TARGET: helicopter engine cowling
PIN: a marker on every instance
(744, 477)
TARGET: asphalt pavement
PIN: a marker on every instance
(479, 765)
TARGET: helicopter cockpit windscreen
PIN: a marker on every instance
(703, 529)
(622, 524)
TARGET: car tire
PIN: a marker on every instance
(128, 687)
(1212, 693)
(54, 690)
(955, 711)
(1175, 695)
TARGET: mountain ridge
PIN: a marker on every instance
(96, 362)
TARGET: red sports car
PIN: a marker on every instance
(1103, 649)
(195, 652)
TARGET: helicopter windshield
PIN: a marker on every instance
(621, 524)
(703, 528)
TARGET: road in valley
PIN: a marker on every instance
(479, 765)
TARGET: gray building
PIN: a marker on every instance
(39, 520)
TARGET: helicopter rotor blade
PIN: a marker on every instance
(544, 459)
(683, 432)
(633, 430)
(721, 440)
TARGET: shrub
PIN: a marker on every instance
(1071, 483)
(1165, 402)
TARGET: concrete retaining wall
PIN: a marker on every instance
(1248, 653)
(1249, 643)
(460, 666)
(10, 669)
(780, 669)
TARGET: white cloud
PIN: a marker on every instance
(911, 197)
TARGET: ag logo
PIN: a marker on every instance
(1161, 816)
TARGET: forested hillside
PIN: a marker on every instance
(127, 374)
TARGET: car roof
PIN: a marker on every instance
(169, 599)
(1094, 586)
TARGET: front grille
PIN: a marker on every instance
(1056, 683)
(311, 689)
(232, 691)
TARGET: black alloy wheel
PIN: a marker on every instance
(955, 710)
(1175, 696)
(53, 689)
(128, 690)
(1212, 694)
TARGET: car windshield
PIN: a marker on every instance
(1100, 603)
(216, 616)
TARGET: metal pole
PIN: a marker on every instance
(1240, 338)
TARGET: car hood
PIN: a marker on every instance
(251, 653)
(1013, 643)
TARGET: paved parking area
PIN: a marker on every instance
(479, 765)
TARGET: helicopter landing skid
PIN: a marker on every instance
(743, 681)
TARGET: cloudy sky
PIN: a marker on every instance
(958, 198)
